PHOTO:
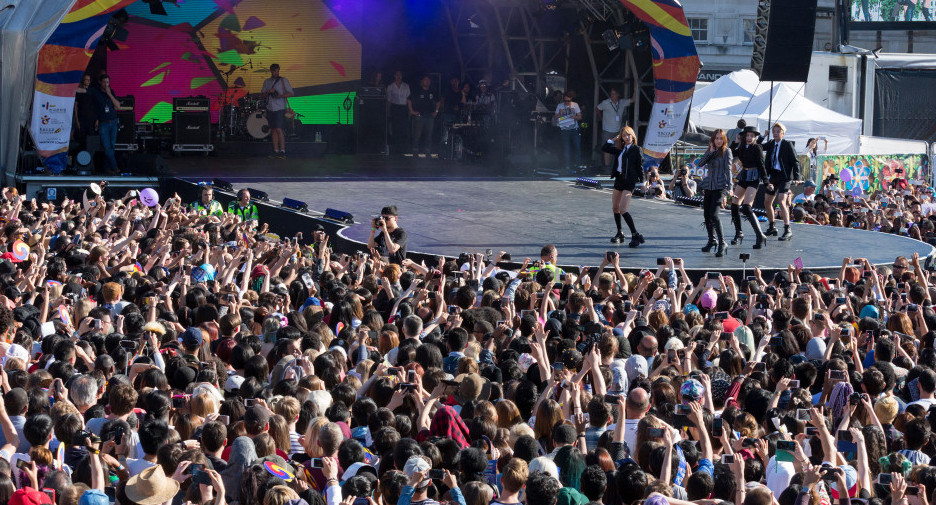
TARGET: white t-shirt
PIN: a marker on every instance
(397, 95)
(612, 113)
(630, 434)
(275, 103)
(926, 403)
(135, 466)
(566, 113)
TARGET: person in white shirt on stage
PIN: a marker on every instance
(276, 89)
(398, 93)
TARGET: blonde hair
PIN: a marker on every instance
(515, 474)
(618, 142)
(778, 124)
(311, 437)
(204, 403)
(288, 407)
(279, 495)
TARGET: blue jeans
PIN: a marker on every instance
(108, 132)
(571, 146)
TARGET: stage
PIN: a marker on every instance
(452, 216)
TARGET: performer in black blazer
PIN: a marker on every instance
(627, 173)
(783, 168)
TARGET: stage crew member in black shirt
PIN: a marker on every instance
(627, 173)
(423, 107)
(753, 172)
(784, 169)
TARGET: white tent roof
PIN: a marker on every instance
(741, 95)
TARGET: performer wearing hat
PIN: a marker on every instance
(752, 173)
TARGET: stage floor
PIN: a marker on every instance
(448, 217)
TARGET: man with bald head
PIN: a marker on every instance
(635, 408)
(648, 348)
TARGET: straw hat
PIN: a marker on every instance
(151, 487)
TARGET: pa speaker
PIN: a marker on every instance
(193, 128)
(371, 120)
(125, 127)
(783, 39)
(147, 164)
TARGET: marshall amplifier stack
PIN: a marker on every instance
(191, 119)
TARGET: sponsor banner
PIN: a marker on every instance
(666, 126)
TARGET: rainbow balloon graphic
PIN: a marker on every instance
(20, 250)
(278, 471)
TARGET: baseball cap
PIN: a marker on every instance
(94, 497)
(233, 383)
(417, 464)
(257, 414)
(192, 337)
(16, 351)
(29, 496)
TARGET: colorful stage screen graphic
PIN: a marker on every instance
(223, 49)
(863, 174)
(891, 15)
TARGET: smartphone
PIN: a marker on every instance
(726, 335)
(812, 431)
(22, 464)
(803, 415)
(225, 420)
(315, 463)
(436, 474)
(394, 370)
(912, 491)
(205, 365)
(884, 479)
(845, 436)
(830, 473)
(249, 402)
(558, 366)
(854, 399)
(760, 366)
(727, 459)
(776, 341)
(612, 398)
(96, 324)
(912, 308)
(712, 275)
(609, 255)
(411, 376)
(840, 300)
(201, 477)
(661, 261)
(671, 354)
(178, 401)
(655, 432)
(452, 309)
(720, 316)
(627, 305)
(681, 409)
(794, 384)
(837, 375)
(786, 445)
(717, 425)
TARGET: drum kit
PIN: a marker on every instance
(246, 117)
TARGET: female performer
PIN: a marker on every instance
(753, 172)
(628, 171)
(718, 160)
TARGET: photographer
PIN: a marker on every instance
(681, 185)
(388, 236)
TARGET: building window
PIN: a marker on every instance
(748, 27)
(700, 31)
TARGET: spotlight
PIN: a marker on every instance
(588, 182)
(256, 194)
(339, 215)
(611, 39)
(295, 205)
(223, 185)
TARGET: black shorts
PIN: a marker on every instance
(747, 184)
(621, 184)
(276, 118)
(780, 185)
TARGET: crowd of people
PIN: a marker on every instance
(175, 354)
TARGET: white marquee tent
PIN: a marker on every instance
(741, 95)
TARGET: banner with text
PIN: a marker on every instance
(61, 64)
(868, 173)
(675, 71)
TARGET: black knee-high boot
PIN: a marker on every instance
(636, 238)
(736, 221)
(749, 214)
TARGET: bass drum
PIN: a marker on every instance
(257, 125)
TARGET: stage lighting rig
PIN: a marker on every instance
(256, 194)
(295, 205)
(223, 185)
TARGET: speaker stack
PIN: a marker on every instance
(371, 120)
(191, 121)
(126, 125)
(783, 39)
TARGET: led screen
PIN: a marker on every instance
(891, 14)
(222, 49)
